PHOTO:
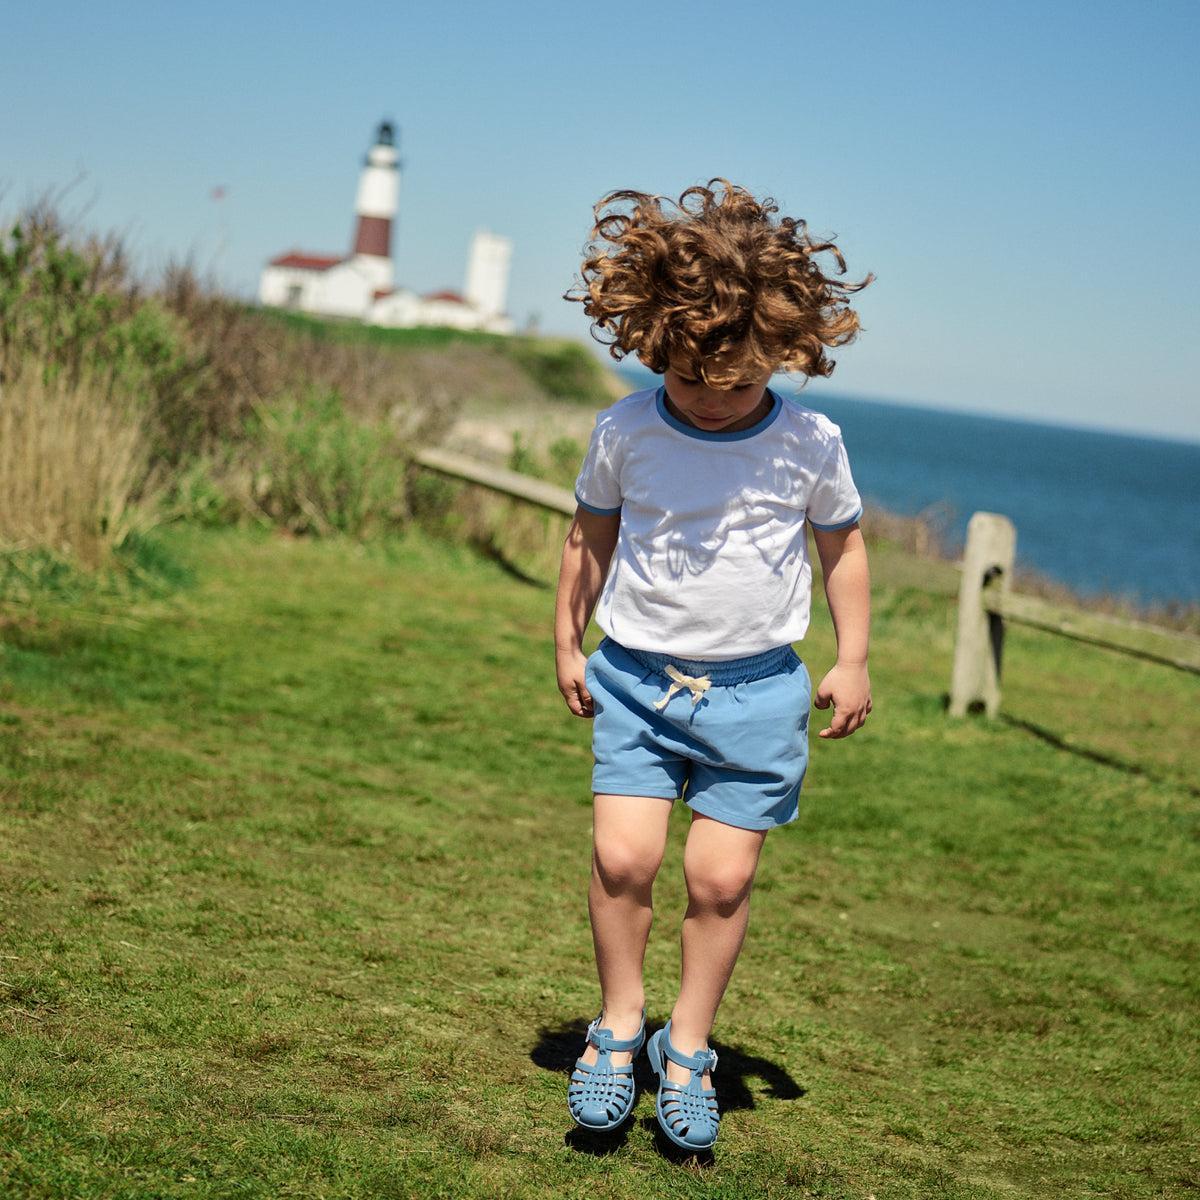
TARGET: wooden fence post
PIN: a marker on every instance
(987, 566)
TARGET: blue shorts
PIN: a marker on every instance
(738, 754)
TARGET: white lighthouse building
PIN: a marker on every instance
(375, 208)
(363, 285)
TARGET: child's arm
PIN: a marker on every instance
(847, 686)
(587, 552)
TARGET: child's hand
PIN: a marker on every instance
(571, 668)
(848, 688)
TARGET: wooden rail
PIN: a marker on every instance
(535, 491)
(986, 603)
(1128, 637)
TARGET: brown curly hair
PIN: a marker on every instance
(717, 284)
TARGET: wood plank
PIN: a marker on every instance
(1128, 637)
(535, 491)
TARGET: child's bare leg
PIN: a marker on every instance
(719, 864)
(629, 837)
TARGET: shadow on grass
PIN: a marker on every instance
(1096, 756)
(557, 1049)
(487, 547)
(601, 1145)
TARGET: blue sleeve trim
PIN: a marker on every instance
(840, 525)
(600, 512)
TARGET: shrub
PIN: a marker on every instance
(318, 470)
(70, 308)
(80, 353)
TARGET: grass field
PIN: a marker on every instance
(293, 858)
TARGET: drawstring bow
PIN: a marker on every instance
(697, 685)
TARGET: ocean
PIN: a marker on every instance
(1101, 513)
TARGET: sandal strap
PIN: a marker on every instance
(603, 1039)
(701, 1061)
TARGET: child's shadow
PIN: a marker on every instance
(557, 1050)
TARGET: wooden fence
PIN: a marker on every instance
(986, 603)
(535, 491)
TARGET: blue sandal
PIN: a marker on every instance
(687, 1113)
(600, 1095)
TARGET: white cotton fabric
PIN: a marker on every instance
(712, 556)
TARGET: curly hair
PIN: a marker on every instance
(717, 284)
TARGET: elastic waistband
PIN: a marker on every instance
(724, 673)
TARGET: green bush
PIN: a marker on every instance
(81, 357)
(320, 471)
(70, 309)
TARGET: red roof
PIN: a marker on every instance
(305, 262)
(452, 297)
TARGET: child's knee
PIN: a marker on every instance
(623, 862)
(720, 886)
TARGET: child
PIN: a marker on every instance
(690, 544)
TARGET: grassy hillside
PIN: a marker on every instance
(127, 405)
(558, 368)
(293, 859)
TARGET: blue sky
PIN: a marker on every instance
(1021, 178)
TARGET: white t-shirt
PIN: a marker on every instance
(712, 557)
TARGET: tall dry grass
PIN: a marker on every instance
(82, 349)
(74, 468)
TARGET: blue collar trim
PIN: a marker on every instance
(718, 435)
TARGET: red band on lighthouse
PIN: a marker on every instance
(374, 236)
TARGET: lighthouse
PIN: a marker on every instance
(375, 209)
(362, 285)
